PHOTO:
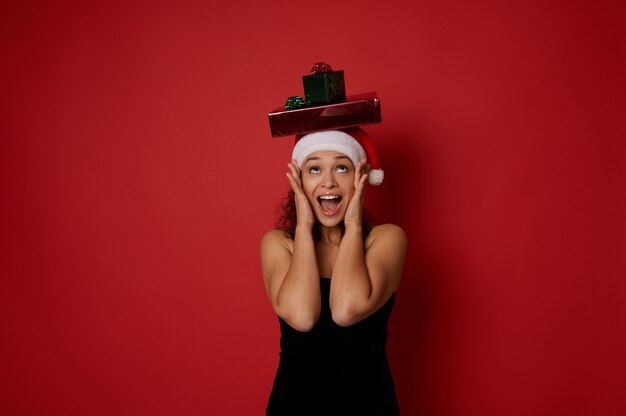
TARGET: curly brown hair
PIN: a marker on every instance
(287, 218)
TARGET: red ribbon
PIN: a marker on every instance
(321, 68)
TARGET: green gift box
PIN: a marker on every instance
(324, 88)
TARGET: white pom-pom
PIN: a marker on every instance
(375, 176)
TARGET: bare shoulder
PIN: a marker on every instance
(275, 240)
(386, 234)
(385, 249)
(276, 252)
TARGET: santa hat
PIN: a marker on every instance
(352, 142)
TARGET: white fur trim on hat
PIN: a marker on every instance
(335, 140)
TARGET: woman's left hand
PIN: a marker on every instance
(354, 211)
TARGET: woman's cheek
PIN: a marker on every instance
(311, 200)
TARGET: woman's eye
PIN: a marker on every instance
(342, 168)
(314, 169)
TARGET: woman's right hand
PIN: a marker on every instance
(304, 212)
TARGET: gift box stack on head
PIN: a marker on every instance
(327, 119)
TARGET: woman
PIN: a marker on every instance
(331, 281)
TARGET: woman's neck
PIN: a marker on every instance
(331, 235)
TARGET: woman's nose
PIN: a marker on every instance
(328, 180)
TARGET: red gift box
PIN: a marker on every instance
(357, 110)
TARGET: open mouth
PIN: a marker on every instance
(329, 204)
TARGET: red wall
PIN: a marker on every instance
(137, 175)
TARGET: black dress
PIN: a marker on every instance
(334, 370)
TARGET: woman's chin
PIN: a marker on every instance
(330, 222)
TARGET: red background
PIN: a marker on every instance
(137, 176)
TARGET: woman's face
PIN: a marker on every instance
(328, 183)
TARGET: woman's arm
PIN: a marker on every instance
(291, 274)
(364, 277)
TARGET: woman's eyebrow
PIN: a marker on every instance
(310, 159)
